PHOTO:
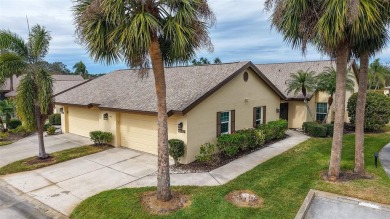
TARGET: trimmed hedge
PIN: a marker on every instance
(14, 123)
(377, 113)
(274, 129)
(329, 129)
(101, 138)
(55, 119)
(206, 154)
(176, 149)
(244, 139)
(317, 130)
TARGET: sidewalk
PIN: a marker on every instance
(230, 171)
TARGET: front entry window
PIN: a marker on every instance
(225, 123)
(322, 110)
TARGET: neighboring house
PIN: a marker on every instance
(386, 91)
(292, 108)
(61, 83)
(203, 102)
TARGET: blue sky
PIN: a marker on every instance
(242, 33)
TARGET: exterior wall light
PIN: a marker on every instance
(180, 128)
(62, 110)
(105, 116)
(277, 110)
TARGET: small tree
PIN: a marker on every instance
(80, 69)
(302, 82)
(326, 82)
(377, 111)
(176, 149)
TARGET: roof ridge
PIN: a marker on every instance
(188, 66)
(328, 60)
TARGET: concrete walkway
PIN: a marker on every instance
(28, 147)
(65, 185)
(384, 157)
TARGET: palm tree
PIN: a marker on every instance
(363, 50)
(326, 82)
(34, 98)
(302, 81)
(332, 26)
(378, 75)
(143, 31)
(80, 69)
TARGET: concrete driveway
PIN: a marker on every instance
(63, 186)
(28, 147)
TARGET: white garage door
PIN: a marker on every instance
(139, 132)
(82, 121)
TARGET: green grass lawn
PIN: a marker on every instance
(33, 163)
(283, 182)
(3, 143)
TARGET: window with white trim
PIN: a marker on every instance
(258, 116)
(225, 122)
(321, 111)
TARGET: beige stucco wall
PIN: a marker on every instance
(296, 114)
(201, 122)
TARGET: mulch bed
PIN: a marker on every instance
(244, 198)
(154, 206)
(223, 159)
(15, 137)
(38, 160)
(345, 176)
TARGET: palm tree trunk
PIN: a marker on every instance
(42, 152)
(11, 83)
(163, 178)
(360, 110)
(341, 76)
(308, 108)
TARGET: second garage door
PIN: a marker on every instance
(82, 121)
(139, 132)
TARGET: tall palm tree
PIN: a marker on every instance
(332, 26)
(143, 31)
(34, 98)
(326, 82)
(80, 69)
(364, 50)
(302, 82)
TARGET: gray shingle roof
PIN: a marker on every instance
(60, 83)
(125, 90)
(279, 73)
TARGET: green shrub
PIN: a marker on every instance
(377, 113)
(20, 130)
(230, 144)
(305, 124)
(316, 130)
(329, 129)
(51, 130)
(176, 149)
(46, 126)
(274, 129)
(252, 138)
(206, 154)
(3, 136)
(55, 119)
(14, 123)
(101, 138)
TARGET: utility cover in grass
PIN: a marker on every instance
(154, 206)
(245, 198)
